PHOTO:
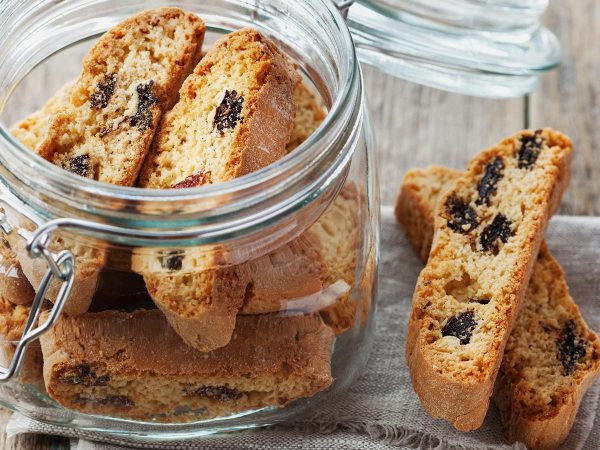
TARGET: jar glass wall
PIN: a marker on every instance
(197, 310)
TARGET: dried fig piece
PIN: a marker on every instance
(461, 326)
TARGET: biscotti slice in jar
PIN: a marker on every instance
(130, 77)
(32, 130)
(234, 115)
(489, 227)
(12, 323)
(101, 127)
(14, 285)
(310, 113)
(134, 365)
(327, 253)
(551, 356)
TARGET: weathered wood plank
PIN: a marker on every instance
(569, 98)
(416, 126)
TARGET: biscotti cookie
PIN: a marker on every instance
(415, 207)
(551, 356)
(328, 255)
(33, 129)
(234, 116)
(89, 260)
(139, 367)
(314, 272)
(101, 126)
(489, 227)
(12, 323)
(310, 112)
(14, 285)
(130, 77)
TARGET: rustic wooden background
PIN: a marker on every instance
(416, 126)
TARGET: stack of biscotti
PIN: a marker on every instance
(264, 328)
(488, 231)
(201, 294)
(551, 356)
(101, 127)
(141, 369)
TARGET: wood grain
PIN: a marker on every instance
(415, 126)
(568, 98)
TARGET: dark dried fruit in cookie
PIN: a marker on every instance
(570, 349)
(79, 165)
(229, 112)
(83, 375)
(143, 118)
(461, 326)
(104, 91)
(461, 217)
(219, 393)
(115, 400)
(500, 228)
(492, 175)
(481, 301)
(172, 260)
(529, 151)
(197, 179)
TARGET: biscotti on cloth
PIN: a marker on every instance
(551, 356)
(101, 126)
(489, 227)
(134, 365)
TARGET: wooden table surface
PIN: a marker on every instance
(415, 126)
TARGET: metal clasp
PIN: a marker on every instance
(60, 266)
(343, 6)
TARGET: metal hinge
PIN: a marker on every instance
(61, 266)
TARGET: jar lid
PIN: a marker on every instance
(489, 48)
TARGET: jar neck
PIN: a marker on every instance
(213, 213)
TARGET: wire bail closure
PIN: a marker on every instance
(343, 6)
(61, 267)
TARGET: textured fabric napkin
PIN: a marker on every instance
(381, 410)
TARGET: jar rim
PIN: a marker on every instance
(337, 126)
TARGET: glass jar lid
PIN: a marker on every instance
(489, 48)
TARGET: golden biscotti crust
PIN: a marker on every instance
(239, 102)
(550, 360)
(538, 402)
(413, 206)
(141, 369)
(14, 285)
(130, 76)
(472, 287)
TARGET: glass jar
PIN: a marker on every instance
(214, 308)
(182, 312)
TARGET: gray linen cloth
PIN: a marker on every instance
(381, 409)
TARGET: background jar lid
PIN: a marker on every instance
(490, 48)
